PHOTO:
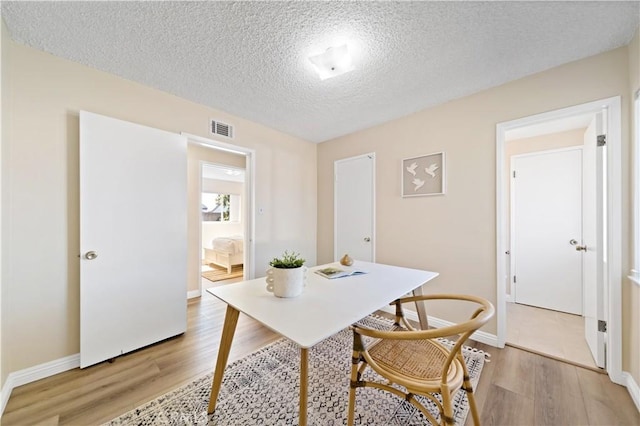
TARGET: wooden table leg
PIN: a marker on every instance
(422, 312)
(304, 381)
(228, 330)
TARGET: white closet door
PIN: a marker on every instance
(354, 205)
(133, 236)
(547, 217)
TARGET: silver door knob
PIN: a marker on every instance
(90, 255)
(581, 248)
(367, 239)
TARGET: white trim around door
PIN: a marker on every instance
(614, 223)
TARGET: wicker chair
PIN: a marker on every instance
(415, 360)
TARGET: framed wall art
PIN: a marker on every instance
(423, 175)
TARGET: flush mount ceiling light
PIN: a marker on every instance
(333, 62)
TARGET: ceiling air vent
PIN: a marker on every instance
(222, 129)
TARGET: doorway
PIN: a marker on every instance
(221, 224)
(224, 173)
(609, 296)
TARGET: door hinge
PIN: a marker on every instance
(514, 173)
(602, 326)
(602, 140)
(514, 279)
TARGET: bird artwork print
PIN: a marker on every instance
(412, 168)
(431, 170)
(418, 184)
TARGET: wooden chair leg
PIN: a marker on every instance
(447, 407)
(468, 387)
(352, 388)
(473, 407)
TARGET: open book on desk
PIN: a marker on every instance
(334, 272)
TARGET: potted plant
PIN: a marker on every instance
(287, 261)
(286, 277)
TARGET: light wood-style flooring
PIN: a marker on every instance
(557, 334)
(516, 387)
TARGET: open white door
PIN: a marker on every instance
(354, 206)
(592, 241)
(133, 229)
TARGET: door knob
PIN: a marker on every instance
(367, 239)
(90, 255)
(581, 248)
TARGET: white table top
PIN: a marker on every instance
(325, 306)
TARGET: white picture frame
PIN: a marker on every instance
(423, 175)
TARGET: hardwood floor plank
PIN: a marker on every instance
(515, 370)
(504, 407)
(608, 403)
(558, 399)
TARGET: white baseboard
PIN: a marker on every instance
(193, 293)
(478, 336)
(632, 388)
(31, 374)
(6, 393)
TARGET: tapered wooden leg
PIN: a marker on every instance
(304, 381)
(228, 330)
(470, 393)
(352, 389)
(422, 312)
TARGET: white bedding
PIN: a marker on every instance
(231, 245)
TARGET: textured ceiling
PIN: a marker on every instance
(251, 58)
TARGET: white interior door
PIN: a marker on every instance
(354, 204)
(593, 240)
(133, 236)
(546, 216)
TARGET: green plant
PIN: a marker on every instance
(287, 261)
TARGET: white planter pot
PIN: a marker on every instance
(286, 282)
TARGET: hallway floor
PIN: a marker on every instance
(547, 332)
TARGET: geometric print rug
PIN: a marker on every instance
(262, 389)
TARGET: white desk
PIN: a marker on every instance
(324, 308)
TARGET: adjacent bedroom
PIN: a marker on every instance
(221, 225)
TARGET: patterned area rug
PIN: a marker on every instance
(218, 273)
(262, 389)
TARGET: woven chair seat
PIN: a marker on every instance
(418, 362)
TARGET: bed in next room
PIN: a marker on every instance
(225, 252)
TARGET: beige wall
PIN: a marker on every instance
(631, 331)
(534, 144)
(196, 154)
(4, 130)
(42, 283)
(455, 234)
(558, 140)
